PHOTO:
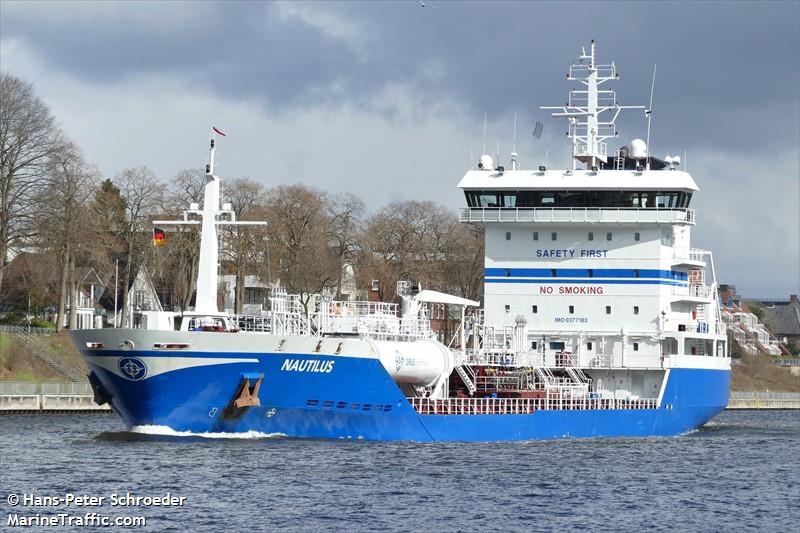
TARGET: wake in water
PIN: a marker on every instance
(148, 432)
(167, 431)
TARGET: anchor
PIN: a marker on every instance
(245, 396)
(248, 397)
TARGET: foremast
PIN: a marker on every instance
(210, 217)
(206, 299)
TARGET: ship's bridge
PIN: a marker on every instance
(604, 196)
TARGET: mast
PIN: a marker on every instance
(206, 301)
(211, 216)
(585, 107)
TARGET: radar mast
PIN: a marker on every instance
(588, 130)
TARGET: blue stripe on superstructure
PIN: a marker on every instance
(584, 273)
(587, 281)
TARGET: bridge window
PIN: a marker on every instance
(508, 235)
(588, 198)
(559, 346)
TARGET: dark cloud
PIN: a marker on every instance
(383, 83)
(721, 65)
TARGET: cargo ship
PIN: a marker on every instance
(599, 318)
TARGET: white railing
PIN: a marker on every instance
(492, 358)
(694, 291)
(620, 215)
(696, 254)
(518, 406)
(253, 323)
(371, 319)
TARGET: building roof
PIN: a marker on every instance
(783, 319)
(674, 180)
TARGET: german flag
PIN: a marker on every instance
(159, 237)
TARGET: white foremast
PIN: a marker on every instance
(210, 217)
(206, 301)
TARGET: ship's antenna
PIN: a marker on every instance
(484, 132)
(547, 151)
(470, 159)
(649, 114)
(685, 166)
(587, 131)
(210, 165)
(514, 145)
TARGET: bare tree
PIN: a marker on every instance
(28, 137)
(463, 261)
(141, 193)
(404, 240)
(62, 221)
(344, 230)
(244, 245)
(299, 241)
(175, 263)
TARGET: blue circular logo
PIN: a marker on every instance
(132, 368)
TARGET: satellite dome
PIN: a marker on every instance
(486, 162)
(637, 149)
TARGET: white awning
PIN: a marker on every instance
(443, 298)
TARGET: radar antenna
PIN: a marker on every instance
(649, 113)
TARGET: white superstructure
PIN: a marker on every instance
(593, 267)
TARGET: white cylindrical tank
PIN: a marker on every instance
(637, 149)
(420, 362)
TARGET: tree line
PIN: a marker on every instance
(60, 216)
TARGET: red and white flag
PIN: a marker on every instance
(218, 131)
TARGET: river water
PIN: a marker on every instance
(739, 472)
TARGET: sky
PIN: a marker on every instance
(387, 99)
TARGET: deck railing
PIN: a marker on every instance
(615, 215)
(521, 406)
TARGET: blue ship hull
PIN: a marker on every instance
(359, 400)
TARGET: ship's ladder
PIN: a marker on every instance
(467, 375)
(702, 319)
(577, 375)
(619, 161)
(547, 378)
